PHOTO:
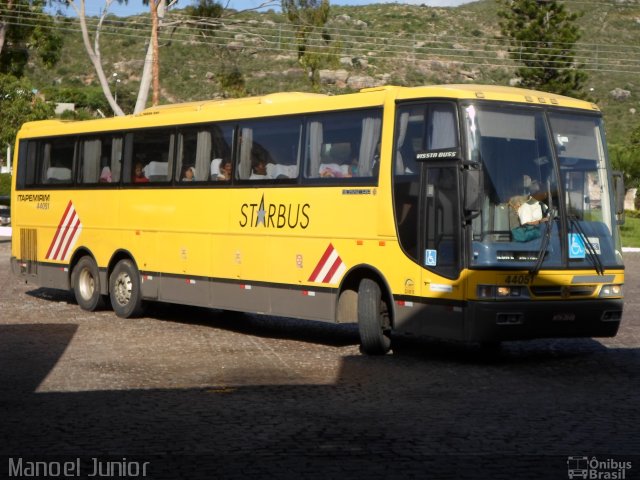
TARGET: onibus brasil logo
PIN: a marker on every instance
(593, 468)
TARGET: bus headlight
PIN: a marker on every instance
(614, 290)
(508, 291)
(494, 292)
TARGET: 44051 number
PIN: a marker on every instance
(518, 279)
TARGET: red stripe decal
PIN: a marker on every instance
(68, 242)
(332, 270)
(55, 237)
(65, 234)
(320, 264)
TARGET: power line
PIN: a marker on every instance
(355, 33)
(375, 45)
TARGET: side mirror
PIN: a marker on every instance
(618, 188)
(473, 189)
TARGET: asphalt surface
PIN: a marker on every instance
(195, 393)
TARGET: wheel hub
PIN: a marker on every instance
(123, 289)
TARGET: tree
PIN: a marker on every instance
(94, 50)
(306, 15)
(309, 18)
(153, 6)
(151, 70)
(205, 9)
(542, 37)
(24, 29)
(19, 104)
(206, 18)
(151, 65)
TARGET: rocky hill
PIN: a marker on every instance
(256, 53)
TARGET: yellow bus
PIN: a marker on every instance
(463, 212)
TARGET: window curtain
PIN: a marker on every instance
(116, 159)
(246, 143)
(91, 161)
(402, 135)
(32, 159)
(171, 156)
(368, 145)
(315, 148)
(443, 133)
(46, 161)
(203, 154)
(180, 159)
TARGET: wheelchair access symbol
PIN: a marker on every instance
(576, 246)
(431, 258)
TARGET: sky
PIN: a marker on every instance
(133, 7)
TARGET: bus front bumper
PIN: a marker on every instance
(501, 321)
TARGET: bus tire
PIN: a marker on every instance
(373, 320)
(85, 281)
(124, 290)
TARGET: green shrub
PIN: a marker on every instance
(630, 231)
(5, 184)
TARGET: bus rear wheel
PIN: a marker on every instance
(124, 290)
(373, 319)
(85, 282)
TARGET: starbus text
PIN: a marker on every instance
(274, 215)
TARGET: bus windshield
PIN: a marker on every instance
(548, 196)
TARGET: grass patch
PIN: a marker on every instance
(5, 184)
(630, 231)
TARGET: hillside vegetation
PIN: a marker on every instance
(255, 53)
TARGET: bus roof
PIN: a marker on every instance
(295, 103)
(494, 92)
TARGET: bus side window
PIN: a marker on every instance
(27, 164)
(91, 161)
(152, 156)
(57, 159)
(343, 145)
(194, 154)
(270, 149)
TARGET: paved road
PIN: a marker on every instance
(207, 394)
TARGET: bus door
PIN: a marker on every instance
(440, 254)
(427, 207)
(441, 221)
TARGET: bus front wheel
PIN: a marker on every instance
(373, 319)
(85, 282)
(124, 290)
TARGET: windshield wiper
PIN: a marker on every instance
(544, 244)
(589, 248)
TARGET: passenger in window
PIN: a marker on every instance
(259, 170)
(339, 163)
(331, 170)
(530, 211)
(225, 170)
(187, 173)
(105, 175)
(537, 192)
(138, 173)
